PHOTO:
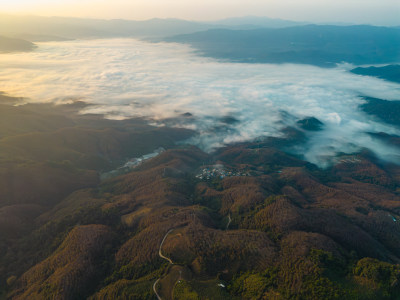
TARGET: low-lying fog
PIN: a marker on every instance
(128, 78)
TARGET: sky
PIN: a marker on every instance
(377, 12)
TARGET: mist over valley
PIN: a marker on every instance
(161, 82)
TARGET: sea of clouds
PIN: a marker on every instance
(126, 78)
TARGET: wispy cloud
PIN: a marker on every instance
(127, 78)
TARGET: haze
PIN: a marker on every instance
(125, 78)
(384, 12)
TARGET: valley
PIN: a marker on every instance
(244, 158)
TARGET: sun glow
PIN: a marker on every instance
(384, 12)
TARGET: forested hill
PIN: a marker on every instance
(310, 44)
(246, 222)
(389, 72)
(13, 45)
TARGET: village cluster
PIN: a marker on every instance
(218, 171)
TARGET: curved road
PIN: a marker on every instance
(155, 290)
(159, 250)
(229, 222)
(164, 257)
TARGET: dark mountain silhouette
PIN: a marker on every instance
(389, 72)
(384, 110)
(311, 44)
(15, 45)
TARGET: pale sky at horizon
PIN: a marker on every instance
(378, 12)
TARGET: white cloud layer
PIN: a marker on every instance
(127, 78)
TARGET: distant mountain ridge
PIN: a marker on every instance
(252, 22)
(36, 28)
(321, 45)
(73, 28)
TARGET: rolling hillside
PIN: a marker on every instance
(248, 221)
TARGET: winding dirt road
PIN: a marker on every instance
(159, 250)
(229, 222)
(163, 257)
(155, 290)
